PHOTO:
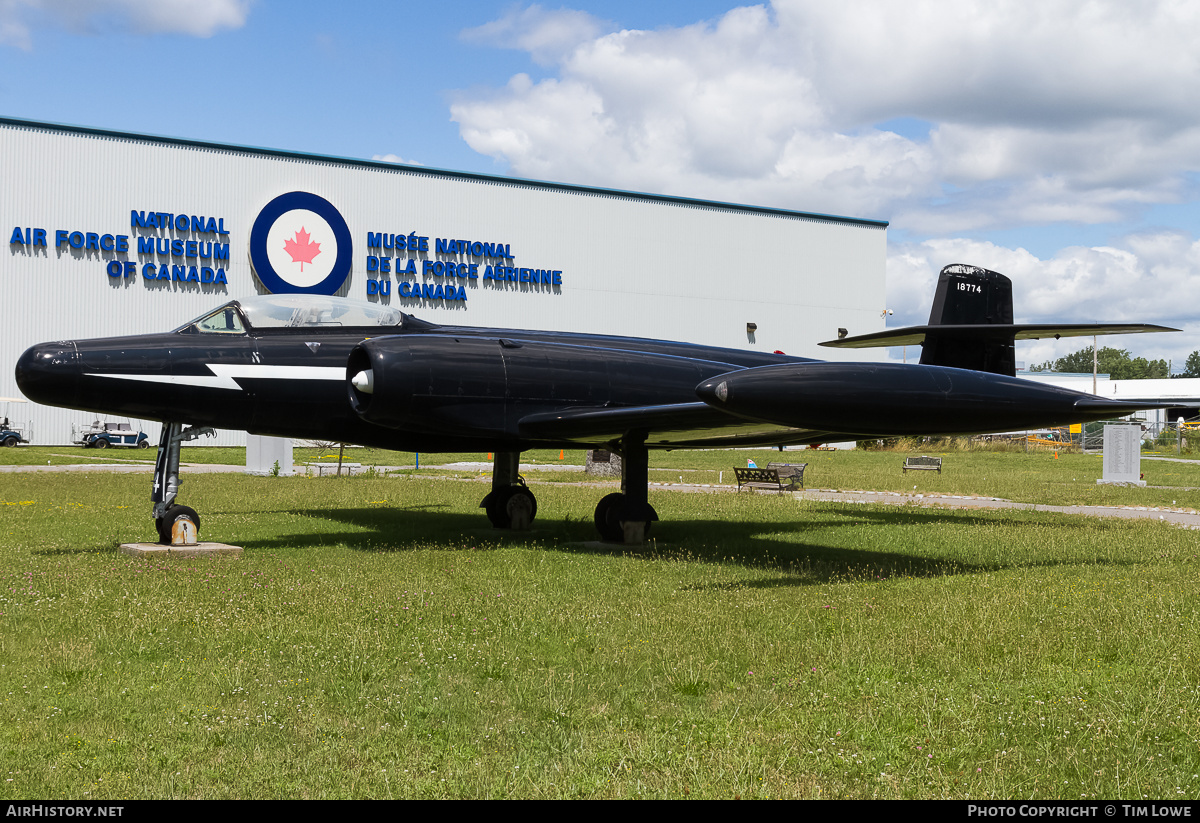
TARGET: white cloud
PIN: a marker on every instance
(1062, 62)
(546, 35)
(1149, 279)
(1059, 111)
(12, 31)
(199, 18)
(394, 158)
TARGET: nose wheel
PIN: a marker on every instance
(176, 525)
(179, 525)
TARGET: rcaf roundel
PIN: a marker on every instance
(300, 244)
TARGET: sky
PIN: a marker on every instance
(1057, 142)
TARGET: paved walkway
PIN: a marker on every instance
(123, 465)
(1182, 517)
(122, 468)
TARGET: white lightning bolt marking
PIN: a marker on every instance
(224, 375)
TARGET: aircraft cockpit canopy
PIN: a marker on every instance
(283, 312)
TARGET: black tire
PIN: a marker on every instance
(99, 443)
(611, 529)
(165, 523)
(499, 507)
(606, 521)
(10, 441)
(143, 444)
(496, 506)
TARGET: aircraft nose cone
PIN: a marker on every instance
(48, 373)
(714, 391)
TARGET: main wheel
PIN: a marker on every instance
(166, 523)
(505, 503)
(99, 443)
(610, 527)
(606, 523)
(144, 444)
(10, 441)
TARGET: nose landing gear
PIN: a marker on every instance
(176, 525)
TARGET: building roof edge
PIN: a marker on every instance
(437, 172)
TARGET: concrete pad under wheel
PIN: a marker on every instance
(193, 550)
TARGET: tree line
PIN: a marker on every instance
(1119, 364)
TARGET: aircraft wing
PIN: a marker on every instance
(679, 425)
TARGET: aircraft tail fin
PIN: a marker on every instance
(971, 297)
(971, 325)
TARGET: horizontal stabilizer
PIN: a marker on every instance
(915, 335)
(971, 325)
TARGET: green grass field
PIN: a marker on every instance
(378, 639)
(1034, 477)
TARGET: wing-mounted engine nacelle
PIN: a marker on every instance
(486, 385)
(428, 383)
(896, 399)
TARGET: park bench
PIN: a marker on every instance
(332, 467)
(778, 476)
(923, 463)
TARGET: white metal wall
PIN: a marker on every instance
(631, 265)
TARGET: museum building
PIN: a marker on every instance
(112, 233)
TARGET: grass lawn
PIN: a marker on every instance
(378, 639)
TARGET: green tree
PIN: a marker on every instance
(1139, 368)
(1117, 363)
(1191, 367)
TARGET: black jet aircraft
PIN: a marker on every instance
(346, 371)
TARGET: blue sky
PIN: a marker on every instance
(352, 79)
(1057, 142)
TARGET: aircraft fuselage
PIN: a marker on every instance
(343, 371)
(464, 388)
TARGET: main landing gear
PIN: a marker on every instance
(177, 525)
(622, 517)
(510, 504)
(626, 517)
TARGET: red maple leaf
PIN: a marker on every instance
(301, 250)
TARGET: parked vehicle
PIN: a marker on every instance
(11, 433)
(102, 435)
